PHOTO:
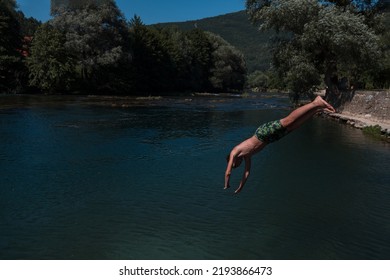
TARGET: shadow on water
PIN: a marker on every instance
(86, 181)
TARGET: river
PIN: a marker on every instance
(82, 179)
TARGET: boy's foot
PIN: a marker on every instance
(323, 104)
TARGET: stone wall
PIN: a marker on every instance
(369, 104)
(364, 108)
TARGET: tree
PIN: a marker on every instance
(51, 65)
(151, 65)
(99, 38)
(382, 75)
(340, 44)
(172, 60)
(326, 41)
(200, 52)
(60, 6)
(177, 46)
(28, 25)
(11, 65)
(258, 81)
(228, 71)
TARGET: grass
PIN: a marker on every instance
(374, 131)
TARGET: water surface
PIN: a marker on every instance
(79, 180)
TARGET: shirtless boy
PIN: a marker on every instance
(268, 133)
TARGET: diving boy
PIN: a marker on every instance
(268, 133)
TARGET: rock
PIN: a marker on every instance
(369, 98)
(359, 125)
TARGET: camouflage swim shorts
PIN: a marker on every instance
(271, 132)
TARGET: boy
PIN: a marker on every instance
(268, 133)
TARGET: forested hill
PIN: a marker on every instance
(238, 31)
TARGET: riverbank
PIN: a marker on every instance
(361, 109)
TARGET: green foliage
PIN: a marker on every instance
(191, 60)
(183, 61)
(258, 81)
(51, 66)
(326, 40)
(236, 29)
(228, 71)
(213, 63)
(28, 25)
(381, 76)
(340, 36)
(150, 66)
(93, 49)
(200, 51)
(283, 15)
(60, 6)
(373, 131)
(100, 51)
(98, 38)
(9, 28)
(11, 67)
(302, 76)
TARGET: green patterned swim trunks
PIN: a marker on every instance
(271, 132)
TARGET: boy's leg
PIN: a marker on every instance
(300, 115)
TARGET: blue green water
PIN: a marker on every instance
(85, 181)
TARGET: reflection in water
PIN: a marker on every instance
(85, 181)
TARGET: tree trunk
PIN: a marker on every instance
(331, 81)
(333, 95)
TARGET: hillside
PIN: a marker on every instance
(236, 29)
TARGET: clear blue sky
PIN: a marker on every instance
(150, 11)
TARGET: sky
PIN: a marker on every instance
(150, 11)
